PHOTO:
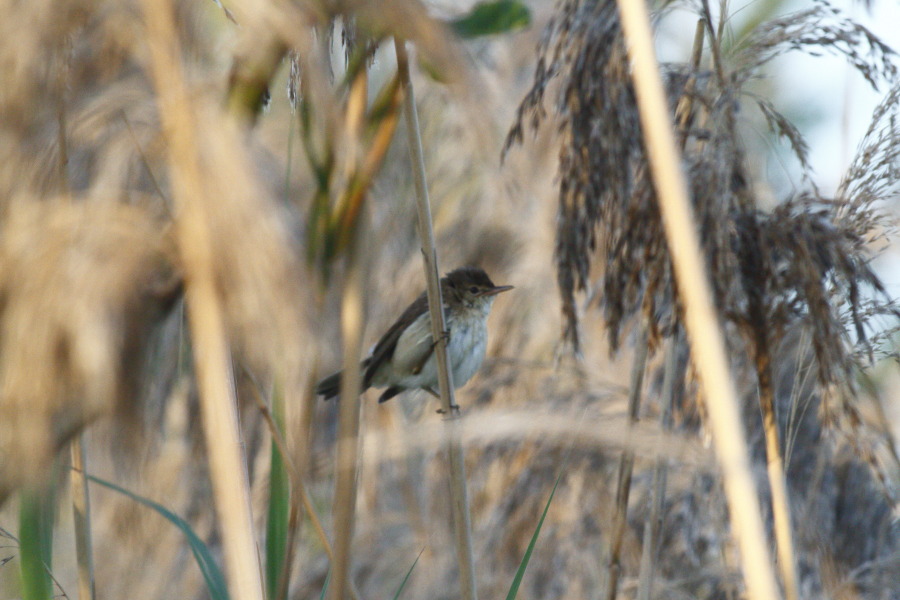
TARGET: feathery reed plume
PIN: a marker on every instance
(605, 199)
(83, 287)
(803, 264)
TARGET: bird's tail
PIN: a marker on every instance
(331, 385)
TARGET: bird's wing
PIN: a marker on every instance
(384, 349)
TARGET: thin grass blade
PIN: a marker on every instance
(408, 573)
(215, 580)
(325, 587)
(279, 506)
(517, 580)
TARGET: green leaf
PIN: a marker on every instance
(490, 18)
(279, 505)
(517, 580)
(215, 581)
(408, 573)
(325, 587)
(36, 510)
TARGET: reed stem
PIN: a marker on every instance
(459, 499)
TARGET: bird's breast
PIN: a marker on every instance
(466, 348)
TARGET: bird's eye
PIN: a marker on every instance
(473, 289)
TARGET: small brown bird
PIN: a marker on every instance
(404, 358)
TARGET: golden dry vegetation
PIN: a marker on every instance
(169, 250)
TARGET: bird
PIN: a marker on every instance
(404, 357)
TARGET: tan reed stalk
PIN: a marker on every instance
(686, 102)
(212, 358)
(780, 503)
(81, 505)
(345, 489)
(626, 467)
(701, 324)
(459, 500)
(781, 511)
(761, 348)
(81, 513)
(347, 469)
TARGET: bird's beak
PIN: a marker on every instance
(496, 290)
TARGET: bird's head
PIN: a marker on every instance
(470, 287)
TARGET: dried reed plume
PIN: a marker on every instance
(804, 264)
(807, 259)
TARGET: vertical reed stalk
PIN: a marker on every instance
(653, 525)
(626, 467)
(707, 346)
(352, 319)
(345, 488)
(81, 513)
(212, 357)
(81, 506)
(459, 500)
(280, 459)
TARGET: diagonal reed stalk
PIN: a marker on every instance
(459, 500)
(212, 357)
(781, 512)
(707, 345)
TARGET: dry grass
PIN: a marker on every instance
(84, 287)
(92, 329)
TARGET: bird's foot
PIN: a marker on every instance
(445, 337)
(454, 410)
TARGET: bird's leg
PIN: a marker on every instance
(454, 408)
(439, 411)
